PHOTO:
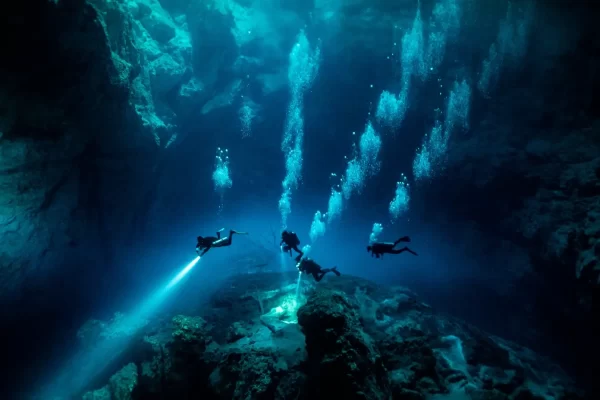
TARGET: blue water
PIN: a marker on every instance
(337, 116)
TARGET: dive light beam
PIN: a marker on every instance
(86, 364)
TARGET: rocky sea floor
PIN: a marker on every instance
(261, 336)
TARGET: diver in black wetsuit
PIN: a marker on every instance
(378, 249)
(291, 241)
(308, 266)
(208, 242)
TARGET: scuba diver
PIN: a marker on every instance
(291, 243)
(308, 266)
(208, 242)
(378, 249)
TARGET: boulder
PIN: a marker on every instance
(343, 358)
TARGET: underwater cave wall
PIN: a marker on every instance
(75, 162)
(528, 174)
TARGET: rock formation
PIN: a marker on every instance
(527, 175)
(96, 96)
(352, 337)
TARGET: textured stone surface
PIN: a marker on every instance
(537, 192)
(407, 352)
(57, 117)
(343, 357)
(120, 386)
(93, 107)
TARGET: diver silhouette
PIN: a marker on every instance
(208, 242)
(378, 249)
(291, 241)
(308, 266)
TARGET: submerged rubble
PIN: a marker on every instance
(263, 337)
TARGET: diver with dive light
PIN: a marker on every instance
(205, 243)
(309, 266)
